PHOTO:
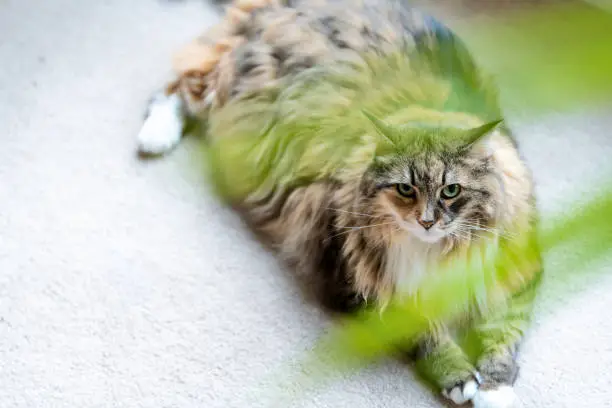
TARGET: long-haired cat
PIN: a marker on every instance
(360, 138)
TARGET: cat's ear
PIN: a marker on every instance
(477, 139)
(388, 132)
(475, 134)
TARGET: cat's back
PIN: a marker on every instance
(277, 41)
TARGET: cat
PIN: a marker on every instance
(361, 140)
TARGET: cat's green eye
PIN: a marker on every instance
(405, 190)
(451, 191)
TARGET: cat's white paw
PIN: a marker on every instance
(163, 127)
(501, 397)
(462, 393)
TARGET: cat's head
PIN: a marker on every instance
(434, 182)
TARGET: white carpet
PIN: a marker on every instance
(124, 283)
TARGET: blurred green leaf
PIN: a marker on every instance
(546, 58)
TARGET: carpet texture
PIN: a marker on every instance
(125, 283)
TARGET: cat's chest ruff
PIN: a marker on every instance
(408, 260)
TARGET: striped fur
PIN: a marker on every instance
(329, 205)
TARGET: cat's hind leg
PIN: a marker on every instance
(163, 126)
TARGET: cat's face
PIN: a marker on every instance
(432, 196)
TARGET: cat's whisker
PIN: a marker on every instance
(466, 232)
(478, 228)
(462, 235)
(471, 234)
(351, 212)
(350, 229)
(475, 227)
(369, 226)
(497, 233)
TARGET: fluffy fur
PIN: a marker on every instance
(361, 140)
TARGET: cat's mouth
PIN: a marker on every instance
(429, 236)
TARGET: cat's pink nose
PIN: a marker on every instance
(427, 224)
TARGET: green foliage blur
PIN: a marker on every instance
(546, 58)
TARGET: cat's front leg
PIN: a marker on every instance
(500, 335)
(444, 364)
(498, 369)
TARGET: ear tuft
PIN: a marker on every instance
(475, 134)
(389, 133)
